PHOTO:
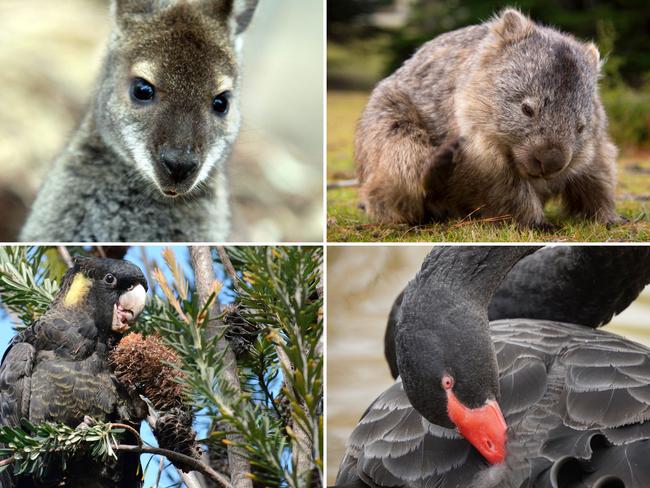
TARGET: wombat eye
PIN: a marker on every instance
(527, 110)
(221, 103)
(581, 127)
(142, 91)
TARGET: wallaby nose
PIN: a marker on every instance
(550, 159)
(179, 163)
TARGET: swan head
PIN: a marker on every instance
(449, 371)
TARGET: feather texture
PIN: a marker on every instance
(577, 406)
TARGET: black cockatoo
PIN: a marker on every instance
(57, 369)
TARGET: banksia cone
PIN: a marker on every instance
(144, 366)
(140, 364)
(241, 333)
(174, 432)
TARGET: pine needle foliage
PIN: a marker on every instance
(278, 292)
(281, 371)
(25, 286)
(36, 448)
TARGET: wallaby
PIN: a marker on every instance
(148, 162)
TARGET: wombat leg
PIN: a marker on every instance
(392, 149)
(592, 196)
(392, 203)
(436, 178)
(518, 200)
(441, 166)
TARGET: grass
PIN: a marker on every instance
(347, 223)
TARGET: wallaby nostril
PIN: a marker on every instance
(178, 164)
(179, 170)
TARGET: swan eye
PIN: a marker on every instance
(447, 382)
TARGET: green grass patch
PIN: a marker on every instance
(628, 112)
(357, 64)
(346, 222)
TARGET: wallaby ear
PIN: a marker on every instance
(239, 13)
(242, 11)
(593, 55)
(125, 8)
(125, 11)
(511, 26)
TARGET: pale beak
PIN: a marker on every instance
(128, 307)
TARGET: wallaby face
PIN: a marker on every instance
(168, 102)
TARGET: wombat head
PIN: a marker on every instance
(168, 98)
(532, 96)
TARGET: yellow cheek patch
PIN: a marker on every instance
(78, 290)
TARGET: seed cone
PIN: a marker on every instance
(241, 333)
(144, 366)
(140, 364)
(174, 432)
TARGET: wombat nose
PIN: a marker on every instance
(550, 159)
(179, 163)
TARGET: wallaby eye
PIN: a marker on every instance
(527, 110)
(109, 279)
(221, 103)
(581, 127)
(142, 91)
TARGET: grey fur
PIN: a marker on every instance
(464, 123)
(109, 184)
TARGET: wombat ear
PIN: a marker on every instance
(511, 26)
(593, 55)
(239, 12)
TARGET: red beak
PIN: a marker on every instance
(484, 427)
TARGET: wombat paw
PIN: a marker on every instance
(615, 220)
(449, 152)
(545, 226)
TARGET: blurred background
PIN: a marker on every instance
(368, 39)
(362, 283)
(51, 53)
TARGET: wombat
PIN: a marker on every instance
(490, 120)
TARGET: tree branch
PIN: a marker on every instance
(7, 461)
(171, 455)
(161, 468)
(181, 458)
(65, 255)
(227, 264)
(204, 278)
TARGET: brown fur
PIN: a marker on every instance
(445, 135)
(114, 181)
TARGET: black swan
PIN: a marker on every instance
(576, 401)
